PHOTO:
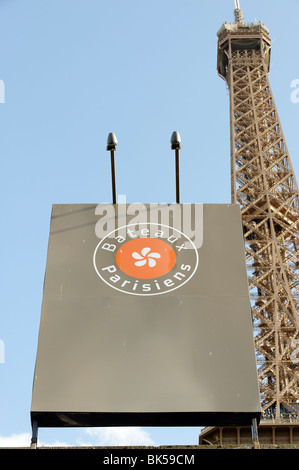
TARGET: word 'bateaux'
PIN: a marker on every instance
(149, 261)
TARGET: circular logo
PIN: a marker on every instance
(146, 258)
(153, 260)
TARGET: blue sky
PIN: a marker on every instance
(74, 71)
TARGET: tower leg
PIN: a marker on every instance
(254, 432)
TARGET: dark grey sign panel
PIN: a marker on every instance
(145, 319)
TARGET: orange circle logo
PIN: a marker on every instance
(146, 258)
(151, 260)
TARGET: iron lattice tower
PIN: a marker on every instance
(263, 184)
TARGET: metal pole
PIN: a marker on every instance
(176, 145)
(177, 171)
(113, 177)
(254, 432)
(111, 145)
(34, 434)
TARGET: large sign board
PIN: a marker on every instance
(145, 318)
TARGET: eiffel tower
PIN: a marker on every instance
(263, 183)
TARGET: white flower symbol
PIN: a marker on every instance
(146, 257)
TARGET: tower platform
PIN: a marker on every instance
(273, 433)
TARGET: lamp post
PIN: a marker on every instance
(111, 146)
(176, 145)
